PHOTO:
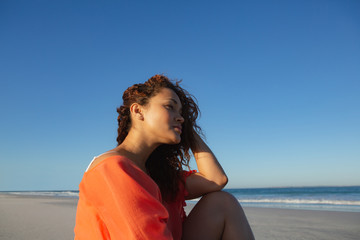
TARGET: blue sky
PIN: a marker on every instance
(277, 82)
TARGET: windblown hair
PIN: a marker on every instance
(166, 163)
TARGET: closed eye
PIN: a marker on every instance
(170, 107)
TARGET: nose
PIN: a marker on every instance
(180, 119)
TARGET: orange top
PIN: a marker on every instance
(117, 200)
(176, 209)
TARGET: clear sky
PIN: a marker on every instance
(278, 84)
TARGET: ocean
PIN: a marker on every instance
(346, 199)
(310, 198)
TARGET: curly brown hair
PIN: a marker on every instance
(165, 164)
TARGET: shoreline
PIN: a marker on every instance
(324, 198)
(48, 217)
(70, 194)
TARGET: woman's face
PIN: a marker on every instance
(162, 117)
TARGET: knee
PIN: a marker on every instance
(222, 199)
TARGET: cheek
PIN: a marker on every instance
(158, 120)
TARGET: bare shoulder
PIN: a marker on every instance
(102, 157)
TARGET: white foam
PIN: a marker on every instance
(47, 193)
(302, 201)
(295, 201)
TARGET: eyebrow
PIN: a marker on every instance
(173, 100)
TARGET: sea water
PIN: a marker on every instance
(309, 198)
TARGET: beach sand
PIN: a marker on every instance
(40, 218)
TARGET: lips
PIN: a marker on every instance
(178, 129)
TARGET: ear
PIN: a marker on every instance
(136, 111)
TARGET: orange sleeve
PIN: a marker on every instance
(185, 174)
(119, 201)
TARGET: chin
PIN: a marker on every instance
(176, 140)
(172, 139)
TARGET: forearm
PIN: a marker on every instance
(207, 164)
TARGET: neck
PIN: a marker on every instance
(137, 148)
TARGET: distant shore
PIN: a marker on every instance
(46, 217)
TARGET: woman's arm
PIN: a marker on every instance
(210, 177)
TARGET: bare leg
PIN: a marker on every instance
(217, 215)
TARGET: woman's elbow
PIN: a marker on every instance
(221, 182)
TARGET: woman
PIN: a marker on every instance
(138, 189)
